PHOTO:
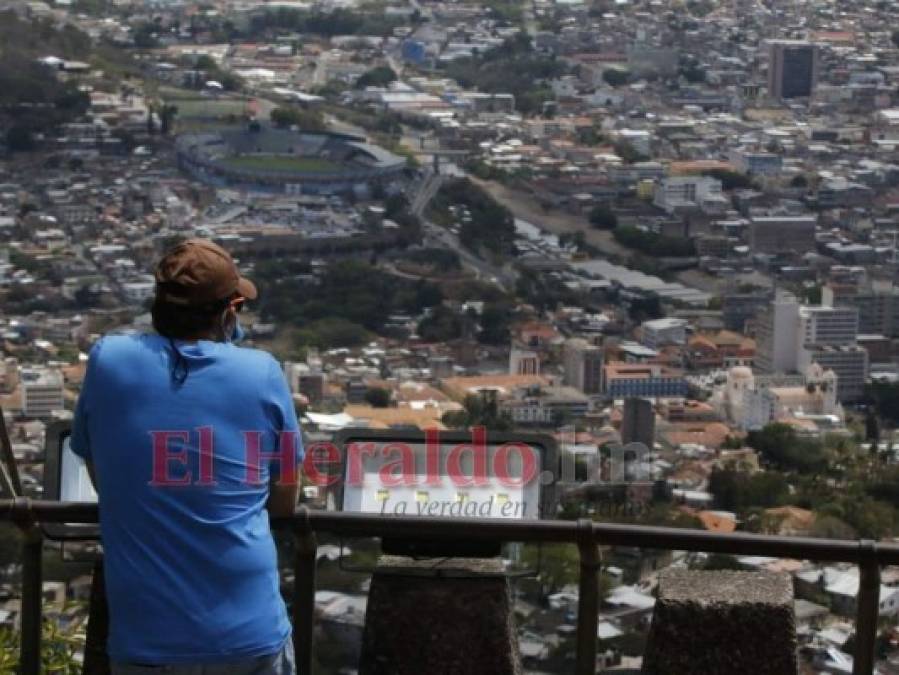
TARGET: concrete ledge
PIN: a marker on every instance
(439, 617)
(722, 622)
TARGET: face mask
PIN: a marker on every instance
(236, 334)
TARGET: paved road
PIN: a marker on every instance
(426, 192)
(440, 237)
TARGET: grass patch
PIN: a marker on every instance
(196, 126)
(207, 107)
(282, 163)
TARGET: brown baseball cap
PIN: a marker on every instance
(199, 272)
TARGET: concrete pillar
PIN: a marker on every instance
(441, 617)
(739, 623)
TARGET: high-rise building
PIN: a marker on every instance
(822, 326)
(42, 392)
(792, 69)
(850, 363)
(638, 424)
(582, 362)
(792, 337)
(776, 330)
(877, 305)
(828, 336)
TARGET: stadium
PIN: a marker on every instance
(285, 161)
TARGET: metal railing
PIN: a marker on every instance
(870, 556)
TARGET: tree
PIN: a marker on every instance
(166, 115)
(58, 648)
(614, 77)
(306, 120)
(495, 320)
(603, 218)
(513, 67)
(591, 136)
(229, 81)
(379, 76)
(490, 224)
(885, 397)
(730, 180)
(395, 203)
(145, 36)
(577, 239)
(871, 519)
(655, 245)
(813, 295)
(628, 153)
(559, 566)
(19, 139)
(739, 490)
(441, 325)
(799, 181)
(645, 308)
(206, 63)
(480, 410)
(872, 426)
(693, 73)
(780, 445)
(378, 397)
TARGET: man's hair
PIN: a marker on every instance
(182, 322)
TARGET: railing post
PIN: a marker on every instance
(96, 660)
(303, 590)
(588, 598)
(867, 608)
(32, 586)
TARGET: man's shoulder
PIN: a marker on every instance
(128, 346)
(256, 359)
(117, 345)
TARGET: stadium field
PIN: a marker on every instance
(282, 163)
(209, 108)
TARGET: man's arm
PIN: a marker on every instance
(91, 472)
(80, 441)
(282, 498)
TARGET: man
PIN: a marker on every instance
(192, 442)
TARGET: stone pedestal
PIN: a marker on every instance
(739, 623)
(441, 617)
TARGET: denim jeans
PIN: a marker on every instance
(281, 663)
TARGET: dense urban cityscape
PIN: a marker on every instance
(656, 222)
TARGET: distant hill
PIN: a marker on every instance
(32, 98)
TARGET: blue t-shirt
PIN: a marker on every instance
(191, 569)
